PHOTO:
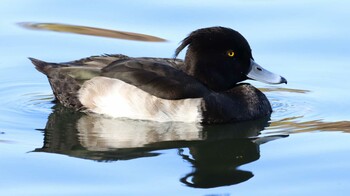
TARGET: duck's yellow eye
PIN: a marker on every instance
(230, 53)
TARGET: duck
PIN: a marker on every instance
(206, 87)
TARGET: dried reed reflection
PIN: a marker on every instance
(93, 31)
(279, 89)
(291, 125)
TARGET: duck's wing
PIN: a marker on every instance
(173, 62)
(97, 61)
(157, 77)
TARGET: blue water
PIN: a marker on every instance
(302, 150)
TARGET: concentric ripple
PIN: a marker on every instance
(290, 107)
(24, 103)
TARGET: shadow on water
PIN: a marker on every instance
(215, 152)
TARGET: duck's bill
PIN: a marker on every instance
(262, 75)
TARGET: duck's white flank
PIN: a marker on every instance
(117, 99)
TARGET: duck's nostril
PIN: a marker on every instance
(258, 68)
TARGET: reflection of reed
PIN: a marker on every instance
(91, 31)
(5, 141)
(291, 126)
(291, 90)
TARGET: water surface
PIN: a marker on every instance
(302, 150)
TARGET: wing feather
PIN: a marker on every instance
(157, 78)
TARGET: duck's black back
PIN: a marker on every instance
(156, 78)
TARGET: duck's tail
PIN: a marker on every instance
(42, 66)
(39, 65)
(64, 86)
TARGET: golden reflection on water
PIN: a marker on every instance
(291, 90)
(85, 30)
(291, 125)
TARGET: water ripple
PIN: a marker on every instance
(294, 111)
(24, 102)
(290, 104)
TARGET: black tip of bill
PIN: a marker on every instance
(283, 80)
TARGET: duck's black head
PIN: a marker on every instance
(221, 57)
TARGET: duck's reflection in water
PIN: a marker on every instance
(215, 163)
(215, 151)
